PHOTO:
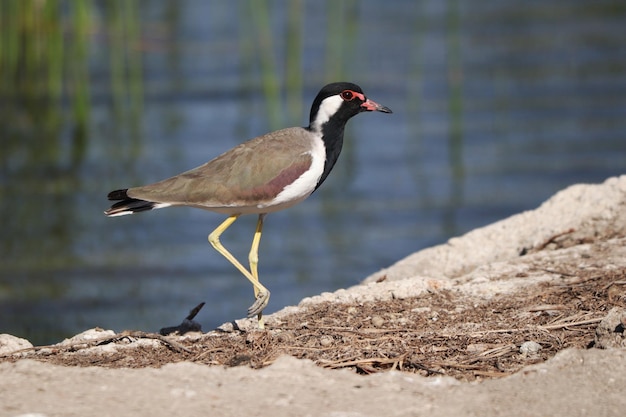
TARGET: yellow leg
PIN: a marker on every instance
(253, 257)
(261, 293)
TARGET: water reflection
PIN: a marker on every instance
(496, 107)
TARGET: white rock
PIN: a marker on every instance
(88, 336)
(530, 348)
(9, 343)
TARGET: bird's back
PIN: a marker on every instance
(243, 178)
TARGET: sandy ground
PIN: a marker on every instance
(524, 317)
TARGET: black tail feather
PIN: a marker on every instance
(127, 205)
(118, 195)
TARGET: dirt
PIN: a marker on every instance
(442, 333)
(524, 331)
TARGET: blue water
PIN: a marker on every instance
(497, 106)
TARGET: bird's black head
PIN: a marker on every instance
(334, 105)
(338, 102)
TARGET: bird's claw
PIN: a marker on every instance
(261, 302)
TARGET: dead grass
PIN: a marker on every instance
(443, 333)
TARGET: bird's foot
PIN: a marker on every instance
(261, 302)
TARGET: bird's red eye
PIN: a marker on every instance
(347, 95)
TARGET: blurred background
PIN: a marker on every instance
(497, 106)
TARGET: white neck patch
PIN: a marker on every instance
(328, 108)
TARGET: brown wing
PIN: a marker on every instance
(249, 174)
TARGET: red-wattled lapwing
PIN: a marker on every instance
(260, 176)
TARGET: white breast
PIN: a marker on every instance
(302, 187)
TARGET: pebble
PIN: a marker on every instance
(378, 321)
(326, 340)
(529, 348)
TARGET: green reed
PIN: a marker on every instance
(46, 48)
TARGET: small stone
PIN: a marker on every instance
(88, 336)
(530, 348)
(378, 321)
(326, 341)
(611, 332)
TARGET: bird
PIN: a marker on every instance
(263, 175)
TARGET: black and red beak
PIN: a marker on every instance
(370, 105)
